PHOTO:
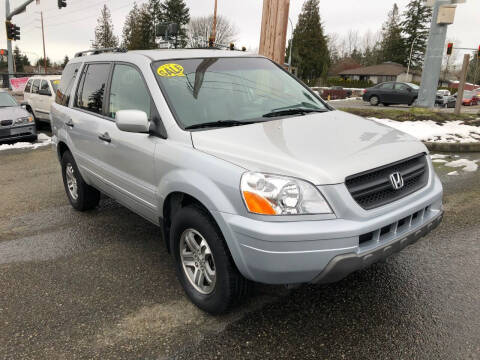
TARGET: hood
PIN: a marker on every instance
(12, 112)
(321, 148)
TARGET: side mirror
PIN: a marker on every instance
(409, 89)
(23, 104)
(44, 92)
(134, 121)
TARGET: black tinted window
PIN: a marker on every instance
(44, 85)
(35, 86)
(91, 90)
(28, 87)
(65, 86)
(128, 91)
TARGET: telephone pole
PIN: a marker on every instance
(273, 37)
(214, 26)
(43, 38)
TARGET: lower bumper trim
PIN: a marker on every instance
(342, 265)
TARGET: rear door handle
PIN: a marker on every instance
(69, 123)
(105, 137)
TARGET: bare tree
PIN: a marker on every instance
(199, 30)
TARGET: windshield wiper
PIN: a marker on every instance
(293, 111)
(220, 123)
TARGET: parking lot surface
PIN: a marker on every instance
(100, 285)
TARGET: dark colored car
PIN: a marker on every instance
(16, 123)
(389, 93)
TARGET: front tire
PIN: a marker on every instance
(204, 265)
(374, 100)
(81, 196)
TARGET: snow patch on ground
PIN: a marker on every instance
(465, 164)
(453, 173)
(447, 132)
(43, 140)
(438, 156)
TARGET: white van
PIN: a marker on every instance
(39, 94)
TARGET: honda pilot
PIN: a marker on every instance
(249, 175)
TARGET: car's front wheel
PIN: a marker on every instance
(82, 196)
(374, 100)
(205, 267)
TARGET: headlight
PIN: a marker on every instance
(280, 195)
(24, 120)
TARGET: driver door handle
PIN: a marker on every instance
(105, 137)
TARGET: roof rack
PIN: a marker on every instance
(100, 51)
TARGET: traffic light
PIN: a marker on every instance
(210, 42)
(13, 31)
(449, 48)
(478, 54)
(61, 3)
(3, 52)
(232, 46)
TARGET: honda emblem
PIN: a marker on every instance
(397, 181)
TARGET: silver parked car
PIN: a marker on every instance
(16, 123)
(248, 173)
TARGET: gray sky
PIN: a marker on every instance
(71, 29)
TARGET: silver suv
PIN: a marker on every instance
(248, 173)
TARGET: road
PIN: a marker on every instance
(353, 103)
(100, 285)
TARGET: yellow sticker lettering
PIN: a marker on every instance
(170, 70)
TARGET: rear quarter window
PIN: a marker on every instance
(64, 88)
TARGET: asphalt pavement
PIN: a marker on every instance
(100, 285)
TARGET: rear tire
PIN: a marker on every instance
(219, 284)
(374, 100)
(82, 196)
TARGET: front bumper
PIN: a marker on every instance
(17, 132)
(319, 251)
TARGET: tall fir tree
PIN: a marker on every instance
(393, 44)
(18, 59)
(104, 36)
(65, 61)
(310, 50)
(138, 30)
(155, 10)
(416, 27)
(473, 74)
(176, 11)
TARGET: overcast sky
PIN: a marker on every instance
(72, 29)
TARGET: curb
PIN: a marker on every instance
(453, 147)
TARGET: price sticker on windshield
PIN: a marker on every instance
(170, 70)
(56, 82)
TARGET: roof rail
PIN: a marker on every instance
(100, 51)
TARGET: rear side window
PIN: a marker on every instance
(91, 90)
(35, 86)
(28, 87)
(65, 86)
(401, 87)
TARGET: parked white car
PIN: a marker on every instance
(39, 94)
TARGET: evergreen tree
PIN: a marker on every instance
(473, 74)
(393, 44)
(104, 37)
(310, 50)
(416, 25)
(18, 59)
(138, 31)
(176, 11)
(155, 10)
(40, 62)
(65, 61)
(25, 60)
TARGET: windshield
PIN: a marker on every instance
(413, 86)
(213, 90)
(55, 85)
(7, 100)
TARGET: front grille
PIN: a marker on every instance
(372, 189)
(6, 122)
